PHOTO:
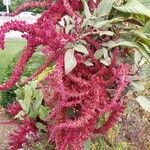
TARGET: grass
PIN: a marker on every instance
(12, 47)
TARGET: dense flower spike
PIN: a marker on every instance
(86, 102)
(19, 138)
(14, 108)
(21, 26)
(29, 5)
(78, 99)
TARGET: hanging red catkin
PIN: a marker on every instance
(85, 91)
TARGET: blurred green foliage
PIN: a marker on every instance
(9, 96)
(2, 7)
(16, 3)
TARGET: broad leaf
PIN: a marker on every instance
(147, 28)
(146, 3)
(81, 48)
(123, 43)
(106, 61)
(139, 34)
(103, 55)
(134, 7)
(43, 112)
(144, 103)
(137, 58)
(104, 8)
(141, 47)
(70, 61)
(33, 114)
(138, 86)
(24, 105)
(40, 126)
(28, 93)
(145, 47)
(98, 54)
(20, 92)
(109, 33)
(107, 23)
(86, 10)
(102, 24)
(145, 51)
(68, 28)
(38, 99)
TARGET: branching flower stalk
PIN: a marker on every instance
(78, 98)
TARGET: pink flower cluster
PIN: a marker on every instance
(80, 98)
(20, 137)
(14, 108)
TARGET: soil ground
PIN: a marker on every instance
(5, 130)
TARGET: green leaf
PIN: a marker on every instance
(146, 3)
(139, 34)
(70, 61)
(86, 10)
(88, 63)
(141, 47)
(107, 23)
(144, 103)
(109, 33)
(134, 7)
(81, 48)
(137, 57)
(33, 114)
(24, 105)
(68, 28)
(102, 24)
(104, 8)
(137, 86)
(98, 54)
(147, 28)
(145, 51)
(20, 93)
(145, 47)
(122, 43)
(40, 126)
(108, 44)
(28, 93)
(89, 22)
(43, 112)
(106, 61)
(103, 55)
(33, 84)
(69, 19)
(87, 144)
(38, 99)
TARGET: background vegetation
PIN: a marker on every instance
(8, 60)
(16, 3)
